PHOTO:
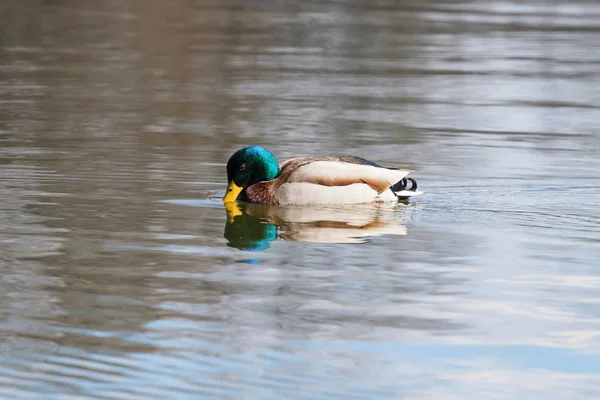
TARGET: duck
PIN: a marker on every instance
(255, 176)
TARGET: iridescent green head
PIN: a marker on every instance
(248, 166)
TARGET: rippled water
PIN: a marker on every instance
(123, 275)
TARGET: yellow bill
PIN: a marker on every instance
(233, 191)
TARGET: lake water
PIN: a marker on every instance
(123, 277)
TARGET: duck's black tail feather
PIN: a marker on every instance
(405, 188)
(403, 185)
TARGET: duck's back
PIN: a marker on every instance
(341, 179)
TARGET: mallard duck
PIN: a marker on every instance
(254, 176)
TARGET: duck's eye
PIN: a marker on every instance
(242, 167)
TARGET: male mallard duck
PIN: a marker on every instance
(254, 175)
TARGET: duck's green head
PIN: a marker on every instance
(248, 166)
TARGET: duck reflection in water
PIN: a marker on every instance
(252, 227)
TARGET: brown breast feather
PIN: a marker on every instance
(261, 193)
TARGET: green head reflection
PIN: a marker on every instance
(246, 232)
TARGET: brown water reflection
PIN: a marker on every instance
(123, 277)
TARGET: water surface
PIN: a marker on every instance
(124, 277)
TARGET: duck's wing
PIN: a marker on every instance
(340, 171)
